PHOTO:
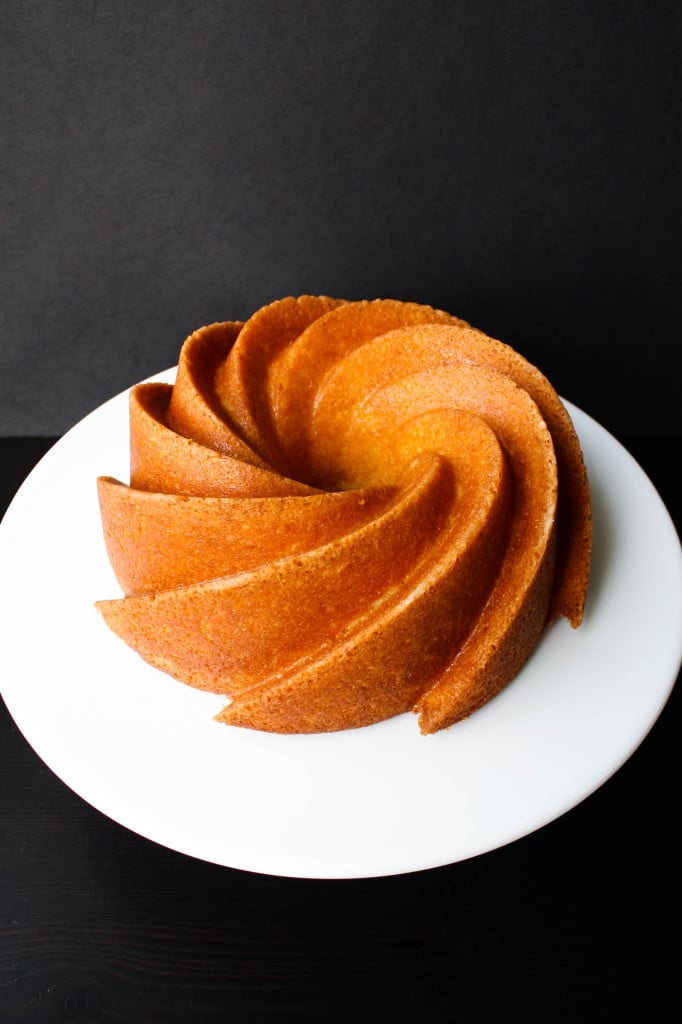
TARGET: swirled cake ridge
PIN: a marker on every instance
(341, 511)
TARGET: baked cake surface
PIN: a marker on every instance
(343, 511)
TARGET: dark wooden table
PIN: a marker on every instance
(577, 922)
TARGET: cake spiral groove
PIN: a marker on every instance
(343, 511)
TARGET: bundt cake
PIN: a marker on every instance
(343, 511)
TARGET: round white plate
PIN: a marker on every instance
(144, 749)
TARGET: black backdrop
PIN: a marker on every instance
(165, 165)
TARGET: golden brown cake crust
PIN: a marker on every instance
(343, 511)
